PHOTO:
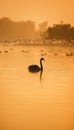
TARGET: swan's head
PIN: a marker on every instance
(42, 59)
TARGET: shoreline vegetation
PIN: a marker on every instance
(25, 33)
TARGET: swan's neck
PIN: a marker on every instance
(41, 66)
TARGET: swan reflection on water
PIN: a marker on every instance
(41, 72)
(36, 68)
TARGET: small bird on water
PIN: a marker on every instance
(36, 68)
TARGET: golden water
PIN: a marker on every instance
(28, 102)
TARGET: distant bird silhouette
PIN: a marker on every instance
(11, 48)
(69, 54)
(43, 54)
(55, 54)
(23, 51)
(6, 51)
(36, 68)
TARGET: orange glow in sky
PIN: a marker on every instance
(52, 11)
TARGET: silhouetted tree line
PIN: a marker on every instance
(16, 30)
(60, 32)
(10, 30)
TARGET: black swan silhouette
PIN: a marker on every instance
(36, 68)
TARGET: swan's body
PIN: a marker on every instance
(36, 68)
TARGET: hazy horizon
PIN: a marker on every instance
(38, 10)
(37, 24)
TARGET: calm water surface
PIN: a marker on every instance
(31, 102)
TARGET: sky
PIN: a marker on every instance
(39, 11)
